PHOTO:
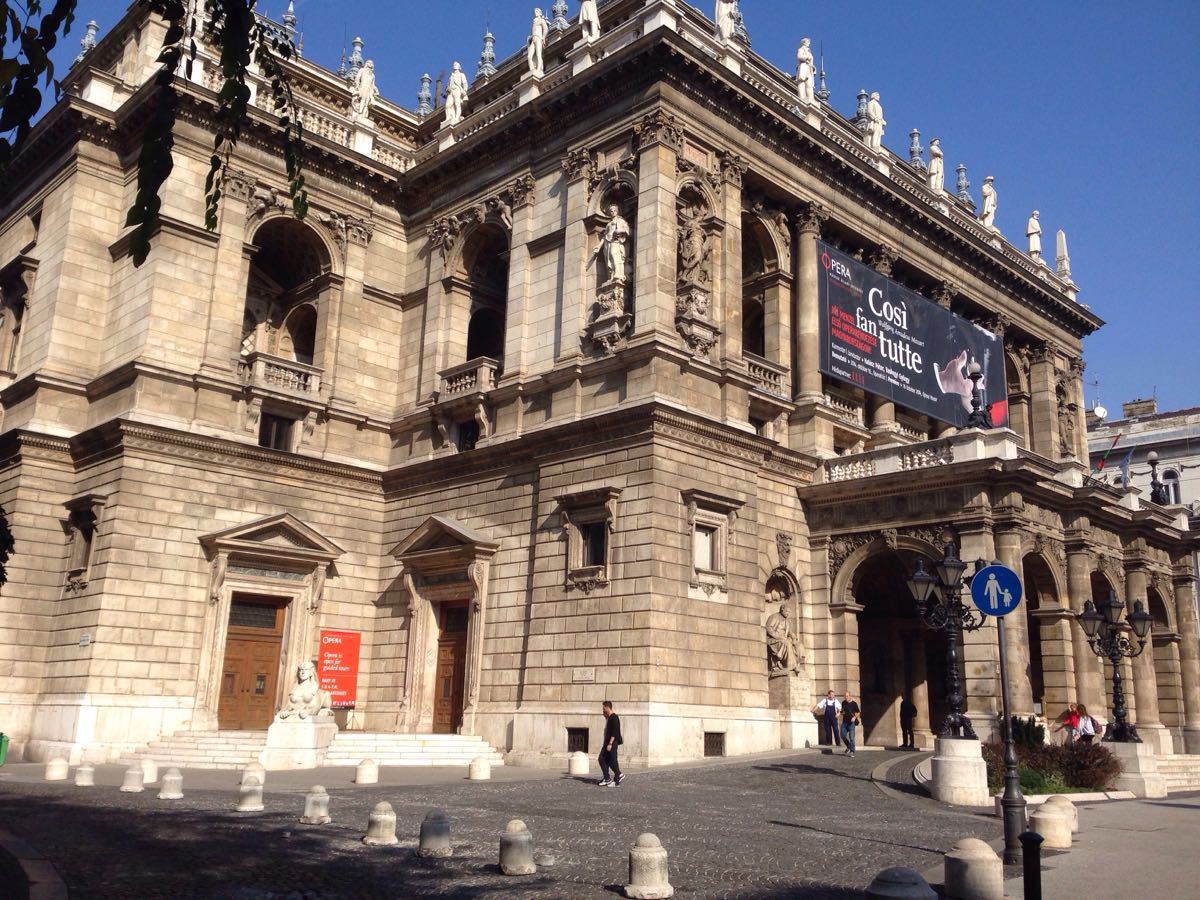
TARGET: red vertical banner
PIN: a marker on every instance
(337, 666)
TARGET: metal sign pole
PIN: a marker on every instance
(1012, 804)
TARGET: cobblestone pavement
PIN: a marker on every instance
(804, 825)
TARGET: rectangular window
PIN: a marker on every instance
(703, 557)
(595, 543)
(577, 740)
(468, 435)
(714, 743)
(275, 432)
(252, 615)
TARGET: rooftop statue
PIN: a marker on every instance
(535, 54)
(875, 123)
(456, 95)
(937, 167)
(805, 70)
(1033, 231)
(726, 16)
(589, 20)
(364, 93)
(987, 212)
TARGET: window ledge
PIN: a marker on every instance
(587, 578)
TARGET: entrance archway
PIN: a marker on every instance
(898, 655)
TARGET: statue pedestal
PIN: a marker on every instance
(1139, 770)
(582, 56)
(882, 163)
(791, 694)
(609, 328)
(298, 744)
(362, 139)
(731, 59)
(528, 88)
(445, 137)
(959, 772)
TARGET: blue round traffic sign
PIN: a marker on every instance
(996, 590)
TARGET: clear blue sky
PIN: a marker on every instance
(1087, 110)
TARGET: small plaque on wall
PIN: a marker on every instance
(583, 676)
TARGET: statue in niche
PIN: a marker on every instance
(804, 72)
(306, 700)
(695, 254)
(535, 54)
(456, 95)
(589, 20)
(614, 246)
(1066, 421)
(364, 92)
(784, 654)
(937, 167)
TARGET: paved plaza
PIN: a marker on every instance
(782, 825)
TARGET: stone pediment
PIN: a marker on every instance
(282, 537)
(441, 535)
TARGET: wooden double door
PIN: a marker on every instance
(450, 679)
(250, 677)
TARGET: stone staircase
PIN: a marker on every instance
(350, 748)
(206, 749)
(1182, 773)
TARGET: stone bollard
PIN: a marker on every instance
(316, 806)
(435, 835)
(974, 872)
(250, 795)
(57, 769)
(172, 785)
(367, 772)
(648, 870)
(579, 764)
(381, 826)
(85, 776)
(1053, 824)
(254, 770)
(899, 883)
(481, 769)
(134, 783)
(149, 771)
(516, 849)
(1065, 805)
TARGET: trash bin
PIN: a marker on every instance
(3, 747)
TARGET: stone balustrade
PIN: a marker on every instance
(973, 444)
(475, 375)
(768, 376)
(851, 413)
(274, 373)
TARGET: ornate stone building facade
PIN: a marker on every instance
(531, 403)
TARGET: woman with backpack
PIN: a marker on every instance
(1088, 727)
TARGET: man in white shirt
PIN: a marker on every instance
(829, 707)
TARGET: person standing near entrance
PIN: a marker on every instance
(608, 749)
(829, 708)
(908, 717)
(851, 715)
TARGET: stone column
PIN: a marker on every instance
(518, 300)
(981, 649)
(228, 296)
(1089, 677)
(1189, 658)
(1145, 679)
(345, 308)
(578, 168)
(1043, 427)
(660, 141)
(808, 381)
(1016, 660)
(922, 733)
(727, 278)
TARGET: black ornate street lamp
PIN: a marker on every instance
(979, 417)
(939, 603)
(1109, 639)
(1158, 490)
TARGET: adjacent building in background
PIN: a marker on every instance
(641, 381)
(1174, 436)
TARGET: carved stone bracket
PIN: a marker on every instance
(783, 549)
(883, 258)
(238, 185)
(732, 169)
(692, 320)
(610, 323)
(579, 163)
(267, 200)
(347, 230)
(943, 293)
(659, 127)
(810, 218)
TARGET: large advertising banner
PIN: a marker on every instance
(880, 336)
(337, 667)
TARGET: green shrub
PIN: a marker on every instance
(1027, 732)
(1054, 769)
(1091, 766)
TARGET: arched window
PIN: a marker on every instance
(758, 262)
(1170, 480)
(284, 291)
(485, 259)
(754, 331)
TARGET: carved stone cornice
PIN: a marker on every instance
(842, 546)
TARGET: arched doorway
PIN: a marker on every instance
(1047, 677)
(898, 655)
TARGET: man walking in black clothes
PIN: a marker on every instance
(608, 750)
(908, 716)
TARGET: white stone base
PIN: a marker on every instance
(959, 773)
(445, 137)
(529, 88)
(298, 745)
(363, 139)
(1139, 770)
(1158, 737)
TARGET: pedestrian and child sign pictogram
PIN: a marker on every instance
(996, 590)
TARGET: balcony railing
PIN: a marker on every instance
(475, 375)
(277, 374)
(768, 376)
(999, 443)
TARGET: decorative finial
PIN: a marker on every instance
(861, 119)
(341, 69)
(88, 41)
(739, 25)
(558, 11)
(487, 59)
(962, 186)
(425, 96)
(356, 59)
(289, 19)
(915, 150)
(1062, 260)
(822, 88)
